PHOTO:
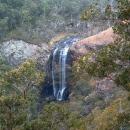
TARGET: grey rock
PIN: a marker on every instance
(17, 51)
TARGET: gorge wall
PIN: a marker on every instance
(63, 54)
(58, 62)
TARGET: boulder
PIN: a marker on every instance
(17, 51)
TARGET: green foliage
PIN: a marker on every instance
(31, 17)
(18, 86)
(108, 11)
(9, 14)
(114, 116)
(13, 112)
(101, 65)
(124, 79)
(17, 13)
(113, 58)
(18, 95)
(97, 10)
(57, 116)
(122, 27)
(35, 21)
(82, 88)
(112, 61)
(23, 78)
(3, 66)
(90, 13)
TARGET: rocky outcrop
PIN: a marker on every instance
(95, 92)
(17, 51)
(94, 42)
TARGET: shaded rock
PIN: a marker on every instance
(17, 51)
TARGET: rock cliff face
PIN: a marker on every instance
(93, 42)
(17, 51)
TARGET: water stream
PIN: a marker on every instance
(60, 54)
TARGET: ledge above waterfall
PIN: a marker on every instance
(93, 42)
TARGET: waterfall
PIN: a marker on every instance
(53, 71)
(60, 54)
(63, 56)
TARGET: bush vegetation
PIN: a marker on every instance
(19, 87)
(112, 61)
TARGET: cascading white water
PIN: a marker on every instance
(62, 61)
(53, 72)
(59, 74)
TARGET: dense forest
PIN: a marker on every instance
(37, 21)
(29, 19)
